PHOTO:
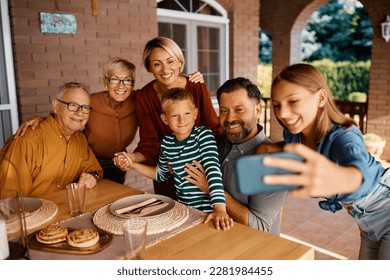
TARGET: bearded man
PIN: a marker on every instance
(239, 112)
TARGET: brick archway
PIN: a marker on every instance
(298, 26)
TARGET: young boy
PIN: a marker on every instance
(187, 143)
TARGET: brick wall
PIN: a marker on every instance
(244, 32)
(285, 23)
(121, 28)
(44, 60)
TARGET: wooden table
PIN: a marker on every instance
(204, 242)
(201, 241)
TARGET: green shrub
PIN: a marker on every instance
(264, 79)
(357, 97)
(345, 77)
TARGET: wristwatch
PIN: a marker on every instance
(95, 174)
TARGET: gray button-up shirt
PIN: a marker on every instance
(264, 209)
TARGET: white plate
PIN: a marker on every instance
(31, 204)
(135, 199)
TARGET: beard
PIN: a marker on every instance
(239, 136)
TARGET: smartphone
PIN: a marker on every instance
(250, 171)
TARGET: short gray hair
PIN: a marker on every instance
(65, 86)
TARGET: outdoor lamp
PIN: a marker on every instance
(386, 29)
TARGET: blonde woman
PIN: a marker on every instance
(164, 59)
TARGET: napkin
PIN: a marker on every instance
(131, 207)
(146, 211)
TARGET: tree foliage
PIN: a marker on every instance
(338, 33)
(265, 47)
(340, 30)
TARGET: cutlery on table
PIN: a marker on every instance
(138, 210)
(138, 205)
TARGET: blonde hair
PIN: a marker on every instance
(310, 78)
(168, 45)
(175, 94)
(119, 63)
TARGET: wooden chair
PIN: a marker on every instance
(355, 110)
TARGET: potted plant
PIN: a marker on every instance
(375, 144)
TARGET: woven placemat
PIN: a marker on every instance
(105, 220)
(44, 214)
(35, 219)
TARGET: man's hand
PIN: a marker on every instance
(88, 179)
(267, 148)
(197, 176)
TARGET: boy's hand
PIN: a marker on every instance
(221, 219)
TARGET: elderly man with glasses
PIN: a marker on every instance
(55, 153)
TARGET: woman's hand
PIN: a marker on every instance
(317, 175)
(32, 123)
(221, 219)
(123, 160)
(197, 176)
(196, 77)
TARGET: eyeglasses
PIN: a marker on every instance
(74, 107)
(116, 81)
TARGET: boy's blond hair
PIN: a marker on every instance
(175, 94)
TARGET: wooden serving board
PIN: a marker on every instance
(63, 247)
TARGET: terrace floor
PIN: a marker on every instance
(333, 235)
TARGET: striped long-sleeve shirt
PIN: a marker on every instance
(200, 146)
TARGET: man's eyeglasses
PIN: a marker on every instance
(116, 81)
(74, 107)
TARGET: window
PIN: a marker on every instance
(200, 28)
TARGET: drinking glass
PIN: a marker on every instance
(76, 198)
(135, 232)
(13, 243)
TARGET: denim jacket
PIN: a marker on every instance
(345, 147)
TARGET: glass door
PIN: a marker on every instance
(8, 105)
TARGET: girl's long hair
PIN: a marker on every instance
(310, 78)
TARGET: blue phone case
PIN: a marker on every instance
(250, 171)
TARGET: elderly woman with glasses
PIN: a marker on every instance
(55, 153)
(113, 123)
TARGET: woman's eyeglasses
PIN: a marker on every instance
(74, 107)
(116, 81)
